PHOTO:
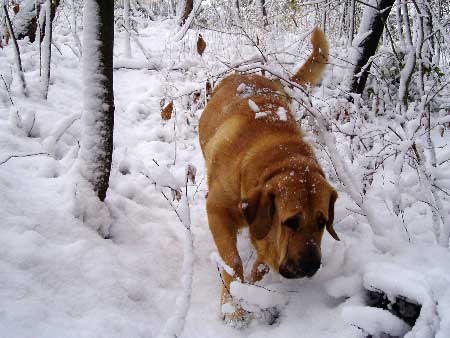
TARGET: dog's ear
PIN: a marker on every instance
(258, 209)
(330, 229)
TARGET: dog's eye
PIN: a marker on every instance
(321, 222)
(293, 223)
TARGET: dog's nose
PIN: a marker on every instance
(306, 266)
(309, 265)
(310, 261)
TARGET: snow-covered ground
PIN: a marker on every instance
(60, 278)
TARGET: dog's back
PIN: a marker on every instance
(242, 109)
(246, 110)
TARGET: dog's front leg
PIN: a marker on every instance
(224, 230)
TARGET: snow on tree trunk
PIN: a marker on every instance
(188, 21)
(366, 42)
(186, 11)
(398, 15)
(126, 21)
(98, 116)
(428, 36)
(25, 21)
(40, 14)
(408, 69)
(351, 18)
(47, 49)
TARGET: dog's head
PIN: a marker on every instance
(288, 215)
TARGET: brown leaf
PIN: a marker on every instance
(16, 8)
(166, 113)
(201, 45)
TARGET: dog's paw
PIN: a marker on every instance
(268, 316)
(237, 318)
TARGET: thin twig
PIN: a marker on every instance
(7, 90)
(18, 156)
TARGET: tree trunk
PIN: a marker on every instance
(98, 116)
(410, 61)
(236, 9)
(47, 49)
(188, 5)
(351, 18)
(428, 36)
(370, 30)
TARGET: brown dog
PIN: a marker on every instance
(261, 174)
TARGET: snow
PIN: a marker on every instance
(60, 278)
(375, 321)
(282, 113)
(244, 90)
(254, 299)
(253, 106)
(215, 258)
(260, 115)
(27, 11)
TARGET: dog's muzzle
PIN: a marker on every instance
(306, 266)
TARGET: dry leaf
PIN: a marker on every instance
(166, 113)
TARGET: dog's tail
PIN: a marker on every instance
(311, 72)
